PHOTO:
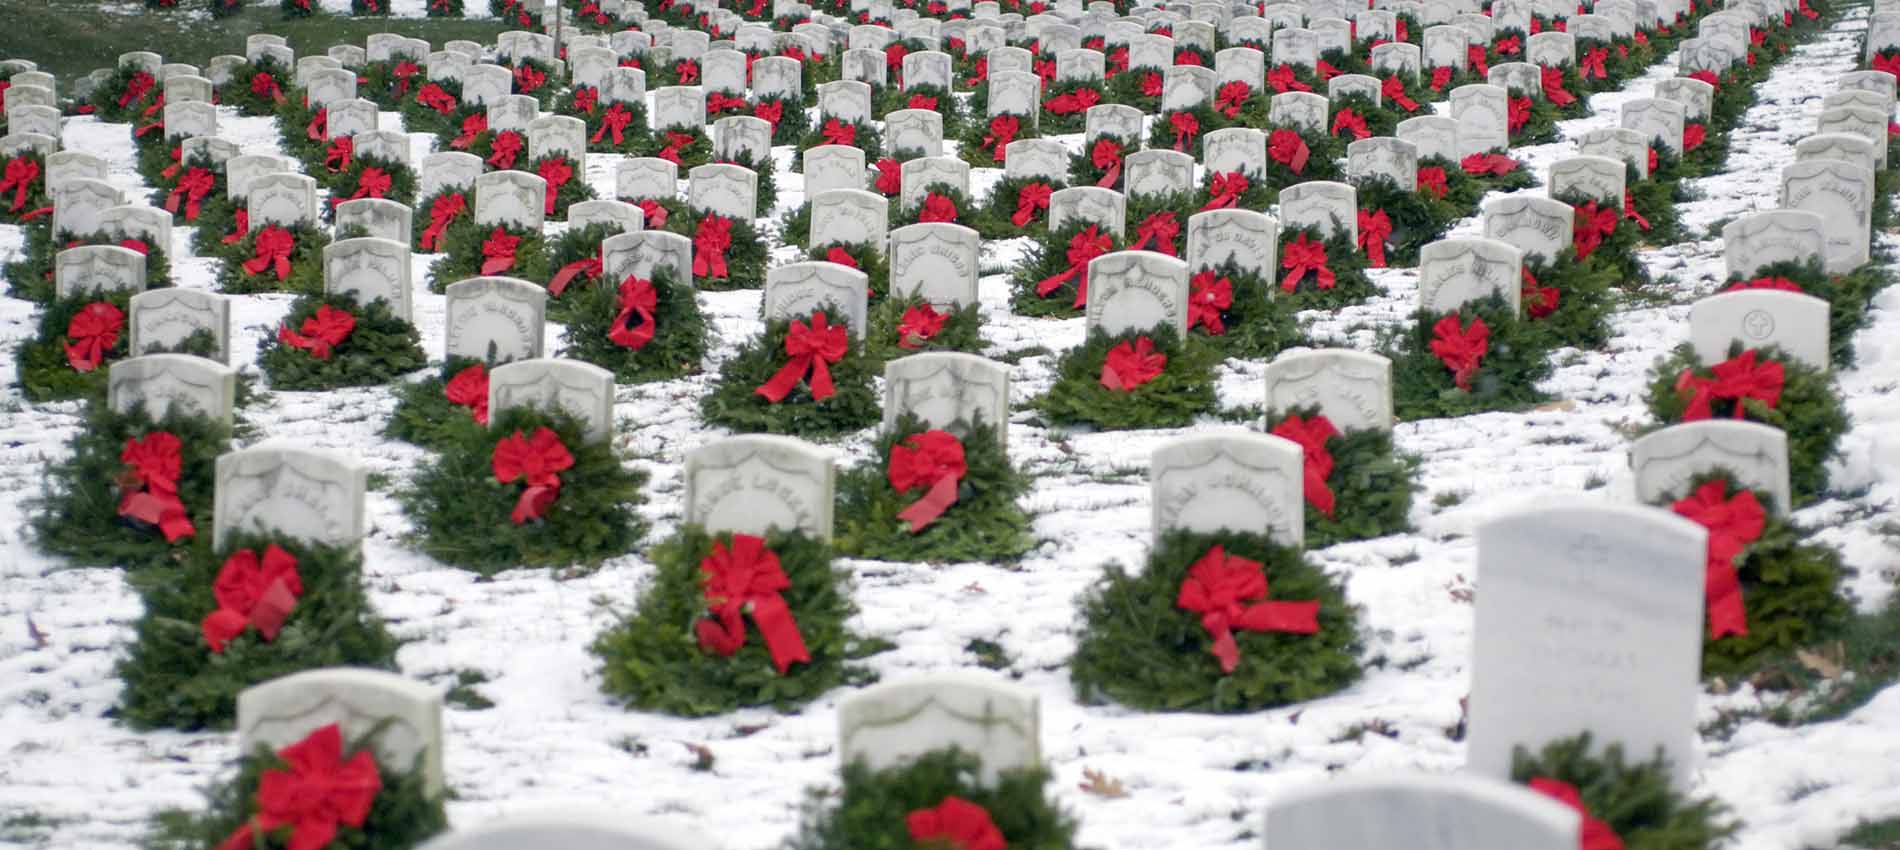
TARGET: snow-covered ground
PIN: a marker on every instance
(1193, 781)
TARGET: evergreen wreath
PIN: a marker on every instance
(576, 253)
(1215, 185)
(1164, 217)
(172, 677)
(1086, 169)
(1463, 191)
(296, 8)
(934, 98)
(369, 8)
(225, 8)
(32, 278)
(306, 263)
(153, 155)
(1650, 205)
(393, 82)
(1138, 647)
(1424, 387)
(1252, 322)
(1516, 179)
(1417, 219)
(573, 191)
(215, 232)
(1585, 295)
(535, 78)
(380, 347)
(870, 811)
(1047, 260)
(972, 149)
(1305, 287)
(77, 514)
(49, 371)
(745, 251)
(463, 514)
(436, 107)
(686, 147)
(997, 217)
(1379, 121)
(985, 524)
(402, 815)
(966, 212)
(27, 193)
(892, 324)
(1137, 87)
(584, 102)
(462, 217)
(464, 256)
(1809, 409)
(1372, 484)
(424, 415)
(1616, 249)
(1567, 80)
(1181, 129)
(347, 185)
(1532, 121)
(301, 130)
(862, 256)
(1789, 585)
(256, 87)
(793, 119)
(1068, 96)
(1633, 801)
(124, 95)
(1172, 398)
(767, 195)
(1847, 296)
(1323, 153)
(177, 187)
(677, 347)
(863, 134)
(651, 659)
(735, 404)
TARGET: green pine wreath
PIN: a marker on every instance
(651, 660)
(107, 95)
(574, 191)
(1131, 88)
(253, 103)
(1174, 399)
(1084, 172)
(987, 524)
(345, 184)
(962, 330)
(1372, 483)
(969, 212)
(1063, 124)
(462, 514)
(575, 245)
(32, 277)
(306, 264)
(1635, 800)
(462, 259)
(423, 217)
(970, 147)
(1847, 296)
(679, 344)
(1324, 152)
(173, 679)
(995, 217)
(295, 119)
(733, 404)
(1163, 136)
(45, 372)
(1619, 249)
(794, 118)
(867, 139)
(745, 257)
(869, 811)
(1138, 648)
(1258, 323)
(1586, 296)
(446, 124)
(1506, 380)
(1379, 120)
(895, 98)
(1046, 258)
(379, 348)
(865, 258)
(424, 416)
(1350, 286)
(15, 205)
(1417, 218)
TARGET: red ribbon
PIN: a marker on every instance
(1707, 77)
(535, 461)
(1780, 283)
(1070, 103)
(838, 254)
(771, 111)
(372, 183)
(556, 171)
(1209, 297)
(1491, 164)
(438, 98)
(1031, 200)
(1226, 189)
(1107, 155)
(469, 388)
(1312, 435)
(1217, 588)
(638, 299)
(242, 227)
(321, 333)
(1287, 148)
(1231, 96)
(1592, 226)
(1186, 127)
(586, 98)
(932, 459)
(812, 348)
(192, 189)
(504, 149)
(718, 102)
(1374, 228)
(919, 325)
(890, 177)
(1352, 122)
(1129, 365)
(591, 267)
(1592, 66)
(710, 242)
(136, 88)
(21, 173)
(318, 128)
(1151, 84)
(653, 214)
(92, 332)
(442, 212)
(252, 594)
(527, 79)
(472, 126)
(1733, 523)
(937, 208)
(1629, 212)
(957, 824)
(404, 72)
(917, 101)
(837, 132)
(1441, 77)
(675, 142)
(1117, 63)
(1693, 135)
(1003, 129)
(1509, 45)
(1304, 255)
(1325, 70)
(317, 793)
(337, 157)
(687, 70)
(265, 85)
(980, 72)
(1461, 349)
(1393, 89)
(1553, 79)
(498, 252)
(1539, 301)
(1476, 57)
(271, 251)
(1597, 834)
(747, 579)
(1159, 228)
(1739, 378)
(1431, 179)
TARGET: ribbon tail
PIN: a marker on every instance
(1295, 617)
(781, 383)
(566, 276)
(780, 630)
(1225, 648)
(1318, 494)
(926, 510)
(1113, 176)
(1052, 284)
(272, 609)
(497, 265)
(1724, 589)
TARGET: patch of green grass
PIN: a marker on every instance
(1874, 835)
(1449, 499)
(70, 38)
(990, 655)
(1402, 559)
(1019, 355)
(463, 693)
(26, 827)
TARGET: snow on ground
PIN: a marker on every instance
(1193, 781)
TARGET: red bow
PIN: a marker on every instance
(937, 208)
(192, 189)
(1441, 77)
(1312, 435)
(1304, 255)
(1187, 57)
(372, 183)
(1732, 524)
(687, 70)
(837, 254)
(894, 54)
(1209, 297)
(615, 121)
(1352, 122)
(21, 174)
(1069, 103)
(890, 177)
(1374, 227)
(1693, 135)
(1554, 92)
(241, 221)
(709, 246)
(1117, 63)
(445, 210)
(1808, 11)
(1780, 283)
(1493, 164)
(1287, 148)
(1151, 84)
(252, 594)
(1393, 89)
(265, 85)
(537, 462)
(1629, 212)
(932, 459)
(1593, 225)
(320, 333)
(747, 579)
(317, 793)
(1185, 127)
(1129, 365)
(1539, 301)
(498, 252)
(438, 98)
(1431, 179)
(472, 126)
(1520, 114)
(675, 142)
(1325, 70)
(337, 157)
(469, 388)
(837, 132)
(653, 214)
(1003, 129)
(1226, 189)
(921, 101)
(1231, 97)
(153, 463)
(1461, 348)
(1031, 199)
(1216, 588)
(919, 325)
(136, 88)
(404, 72)
(980, 72)
(1475, 57)
(590, 266)
(1707, 77)
(638, 298)
(272, 250)
(556, 171)
(1739, 378)
(811, 348)
(1597, 834)
(527, 79)
(506, 146)
(1107, 155)
(1160, 228)
(318, 128)
(771, 111)
(956, 823)
(1592, 65)
(1508, 45)
(718, 102)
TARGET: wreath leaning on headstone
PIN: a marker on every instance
(1475, 359)
(1152, 379)
(639, 329)
(938, 796)
(1358, 485)
(804, 376)
(1632, 805)
(331, 341)
(901, 326)
(935, 495)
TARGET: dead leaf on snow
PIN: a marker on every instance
(1101, 784)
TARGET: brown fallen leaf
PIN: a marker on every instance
(1101, 784)
(1828, 662)
(33, 631)
(1561, 405)
(702, 754)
